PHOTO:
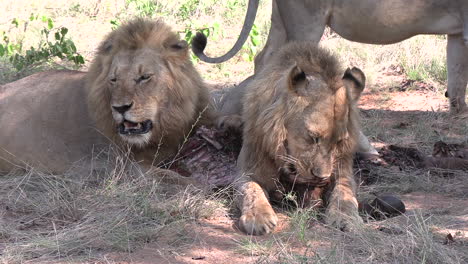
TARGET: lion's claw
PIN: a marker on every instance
(258, 223)
(231, 122)
(342, 220)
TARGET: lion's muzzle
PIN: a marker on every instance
(290, 174)
(132, 128)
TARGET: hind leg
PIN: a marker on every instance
(230, 108)
(171, 177)
(457, 73)
(291, 22)
(464, 8)
(364, 146)
(277, 37)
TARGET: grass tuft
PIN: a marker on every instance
(91, 211)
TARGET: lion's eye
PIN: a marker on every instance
(143, 78)
(314, 139)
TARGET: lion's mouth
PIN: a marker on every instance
(290, 174)
(132, 128)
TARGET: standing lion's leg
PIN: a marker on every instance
(457, 72)
(296, 20)
(277, 37)
(364, 146)
(304, 20)
(464, 10)
(342, 208)
(258, 217)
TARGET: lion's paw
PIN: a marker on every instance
(230, 122)
(345, 220)
(258, 221)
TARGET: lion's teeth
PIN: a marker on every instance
(131, 125)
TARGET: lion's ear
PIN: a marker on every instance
(296, 79)
(176, 50)
(355, 80)
(179, 46)
(176, 46)
(341, 110)
(105, 47)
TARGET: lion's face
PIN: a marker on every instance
(315, 130)
(143, 90)
(136, 85)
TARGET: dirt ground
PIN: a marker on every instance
(395, 110)
(216, 240)
(434, 228)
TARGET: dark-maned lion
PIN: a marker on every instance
(300, 121)
(141, 91)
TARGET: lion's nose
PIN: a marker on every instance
(122, 108)
(316, 172)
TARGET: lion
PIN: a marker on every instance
(381, 22)
(300, 121)
(141, 92)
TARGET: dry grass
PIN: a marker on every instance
(421, 58)
(422, 128)
(90, 211)
(82, 17)
(406, 239)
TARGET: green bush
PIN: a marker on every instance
(252, 44)
(60, 47)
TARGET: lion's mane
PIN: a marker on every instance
(268, 106)
(188, 98)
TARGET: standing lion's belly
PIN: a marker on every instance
(386, 22)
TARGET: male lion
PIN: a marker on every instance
(300, 122)
(373, 22)
(141, 91)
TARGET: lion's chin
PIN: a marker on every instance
(140, 140)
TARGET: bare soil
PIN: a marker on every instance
(395, 111)
(218, 240)
(434, 226)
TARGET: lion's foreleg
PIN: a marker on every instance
(457, 72)
(342, 210)
(170, 177)
(258, 217)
